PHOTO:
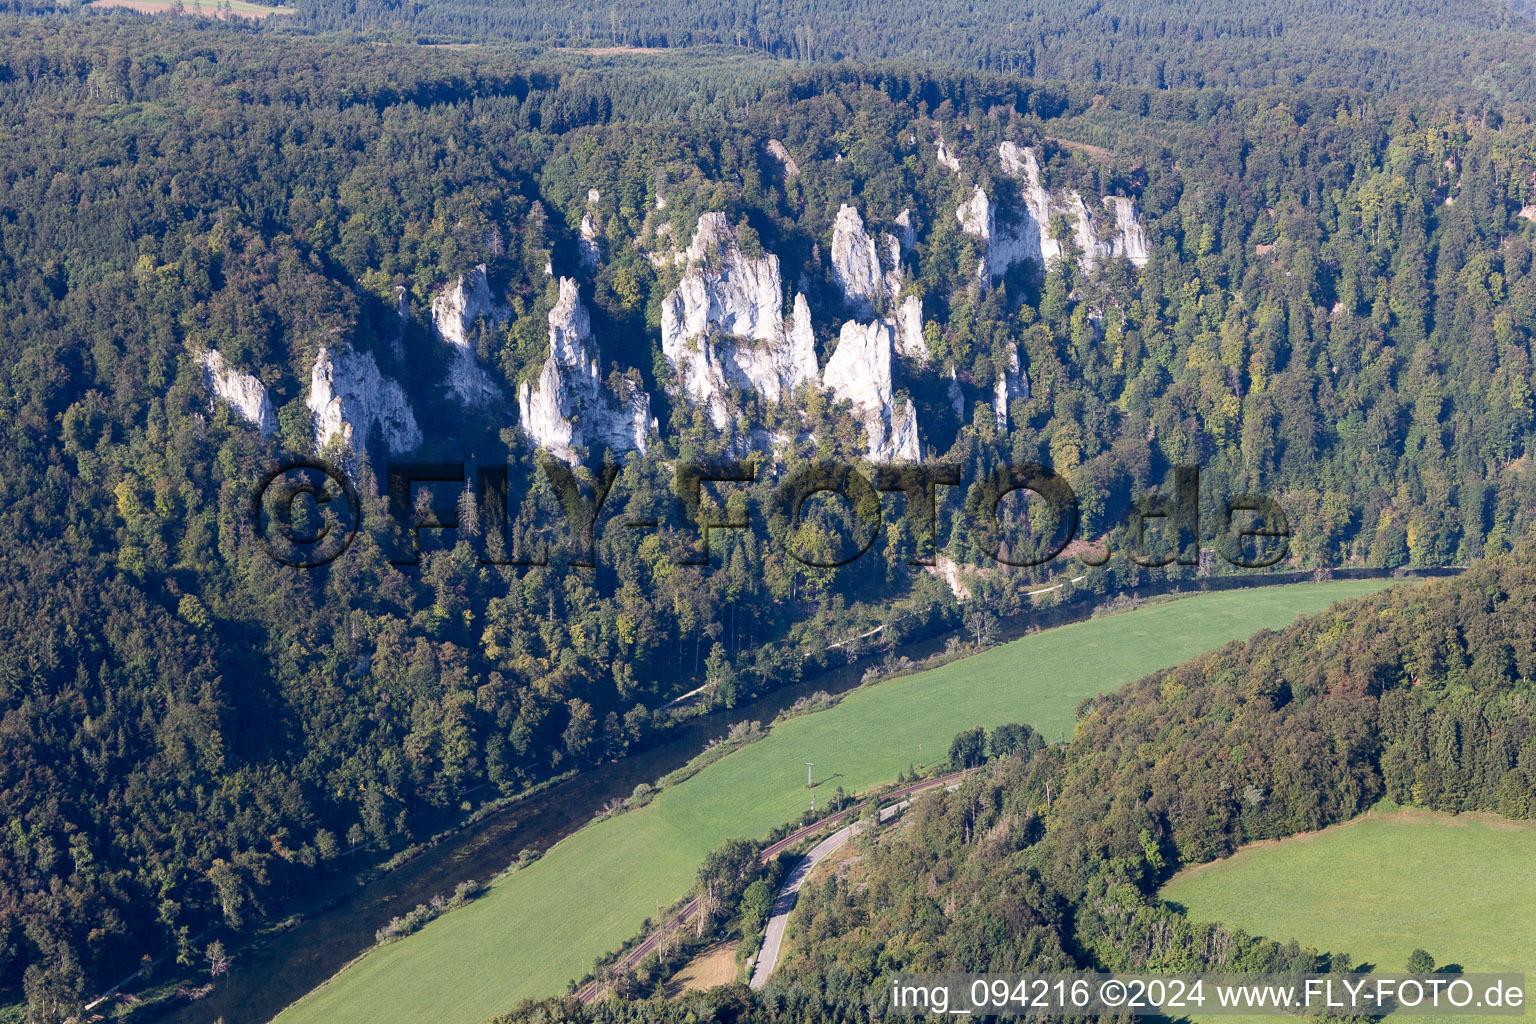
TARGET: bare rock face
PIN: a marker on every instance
(1130, 238)
(591, 249)
(454, 313)
(860, 372)
(946, 158)
(910, 343)
(778, 152)
(866, 281)
(350, 400)
(902, 444)
(1011, 383)
(571, 407)
(1117, 233)
(855, 261)
(906, 230)
(976, 218)
(956, 396)
(724, 325)
(244, 393)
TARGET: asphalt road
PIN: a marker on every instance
(593, 989)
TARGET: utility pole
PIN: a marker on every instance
(809, 784)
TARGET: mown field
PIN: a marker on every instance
(531, 933)
(211, 8)
(1378, 887)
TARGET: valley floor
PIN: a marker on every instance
(537, 928)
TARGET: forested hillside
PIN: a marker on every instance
(1477, 51)
(1051, 858)
(1323, 295)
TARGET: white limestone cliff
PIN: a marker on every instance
(1011, 383)
(956, 396)
(910, 343)
(867, 273)
(724, 325)
(946, 158)
(777, 150)
(571, 407)
(855, 260)
(353, 404)
(245, 394)
(1130, 239)
(591, 250)
(860, 372)
(906, 230)
(1117, 232)
(454, 312)
(975, 216)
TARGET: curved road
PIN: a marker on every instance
(594, 988)
(789, 892)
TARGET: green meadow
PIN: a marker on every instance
(535, 929)
(1378, 887)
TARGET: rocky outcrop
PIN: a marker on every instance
(1116, 232)
(455, 311)
(245, 394)
(910, 343)
(778, 152)
(975, 216)
(570, 407)
(946, 158)
(723, 326)
(591, 250)
(857, 266)
(354, 405)
(956, 396)
(1130, 238)
(906, 230)
(855, 260)
(867, 281)
(860, 373)
(1011, 383)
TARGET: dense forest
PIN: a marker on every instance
(1478, 51)
(1336, 310)
(1051, 857)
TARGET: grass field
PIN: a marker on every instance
(1379, 886)
(210, 7)
(530, 933)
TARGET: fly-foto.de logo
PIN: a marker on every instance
(307, 513)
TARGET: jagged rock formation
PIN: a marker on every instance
(865, 281)
(778, 152)
(956, 396)
(571, 407)
(1011, 383)
(724, 326)
(860, 372)
(910, 343)
(1130, 238)
(946, 158)
(906, 230)
(591, 251)
(454, 312)
(975, 216)
(1118, 233)
(244, 393)
(591, 234)
(350, 399)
